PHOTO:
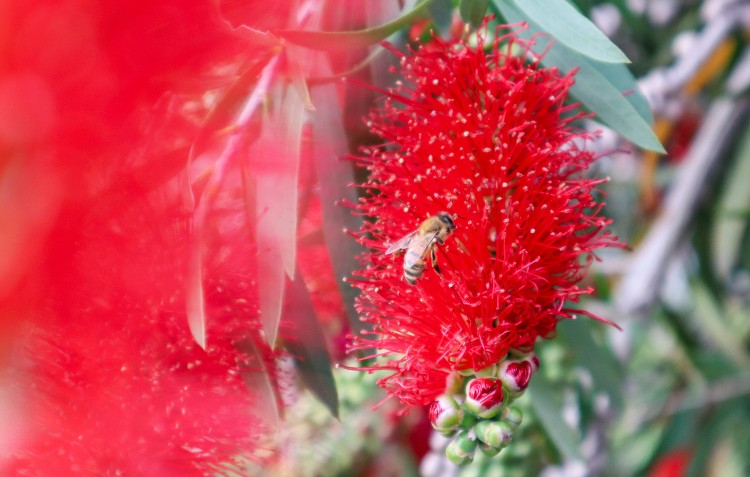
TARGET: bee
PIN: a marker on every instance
(421, 242)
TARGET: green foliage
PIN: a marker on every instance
(473, 11)
(561, 20)
(597, 84)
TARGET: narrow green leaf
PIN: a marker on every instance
(605, 372)
(473, 11)
(224, 111)
(566, 24)
(349, 40)
(213, 178)
(195, 308)
(259, 378)
(730, 224)
(307, 344)
(298, 63)
(591, 87)
(716, 428)
(634, 455)
(623, 80)
(712, 320)
(274, 164)
(442, 14)
(335, 174)
(547, 408)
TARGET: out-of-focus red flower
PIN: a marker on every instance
(486, 137)
(672, 464)
(99, 104)
(119, 387)
(80, 84)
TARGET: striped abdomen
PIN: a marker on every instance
(413, 273)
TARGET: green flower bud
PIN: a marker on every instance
(468, 421)
(488, 450)
(513, 416)
(461, 450)
(495, 434)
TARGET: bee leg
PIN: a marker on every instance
(433, 256)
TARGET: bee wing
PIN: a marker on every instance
(417, 248)
(401, 243)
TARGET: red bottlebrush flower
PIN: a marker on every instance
(487, 137)
(484, 397)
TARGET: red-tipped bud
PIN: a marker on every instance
(461, 450)
(534, 361)
(445, 415)
(516, 375)
(484, 397)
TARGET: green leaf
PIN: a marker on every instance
(349, 40)
(442, 14)
(335, 175)
(541, 396)
(274, 165)
(623, 80)
(716, 428)
(473, 11)
(259, 378)
(592, 88)
(222, 113)
(713, 322)
(246, 92)
(606, 374)
(195, 307)
(633, 456)
(566, 24)
(307, 344)
(730, 223)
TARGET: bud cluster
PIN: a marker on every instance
(476, 410)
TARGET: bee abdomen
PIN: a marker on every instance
(413, 273)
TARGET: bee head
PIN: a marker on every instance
(447, 219)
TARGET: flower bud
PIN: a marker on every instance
(461, 450)
(467, 421)
(494, 434)
(515, 375)
(484, 397)
(453, 383)
(487, 372)
(445, 414)
(534, 361)
(518, 355)
(513, 416)
(488, 450)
